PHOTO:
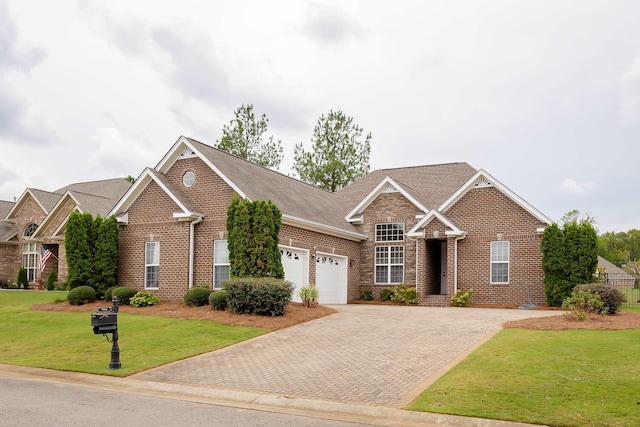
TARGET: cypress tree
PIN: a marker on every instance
(106, 254)
(76, 241)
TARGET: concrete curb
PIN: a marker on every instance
(257, 401)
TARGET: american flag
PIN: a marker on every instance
(45, 254)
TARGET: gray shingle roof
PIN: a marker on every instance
(5, 208)
(112, 189)
(293, 197)
(7, 231)
(430, 185)
(47, 199)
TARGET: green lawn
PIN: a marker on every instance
(563, 378)
(65, 340)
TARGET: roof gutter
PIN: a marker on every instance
(321, 228)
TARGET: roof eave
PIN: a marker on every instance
(322, 228)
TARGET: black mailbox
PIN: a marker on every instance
(104, 322)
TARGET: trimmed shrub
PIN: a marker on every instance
(197, 296)
(218, 300)
(124, 294)
(143, 299)
(461, 298)
(386, 294)
(611, 298)
(404, 294)
(366, 294)
(52, 278)
(108, 294)
(583, 303)
(81, 295)
(260, 295)
(22, 281)
(309, 295)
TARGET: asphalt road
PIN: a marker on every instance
(32, 402)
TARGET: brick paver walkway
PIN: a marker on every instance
(365, 354)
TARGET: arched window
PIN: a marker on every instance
(30, 229)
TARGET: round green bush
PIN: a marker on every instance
(144, 299)
(108, 294)
(611, 297)
(52, 278)
(197, 296)
(386, 294)
(124, 294)
(218, 300)
(81, 295)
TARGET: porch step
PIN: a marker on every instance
(436, 301)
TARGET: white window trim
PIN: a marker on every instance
(151, 265)
(401, 224)
(508, 262)
(31, 254)
(219, 264)
(388, 265)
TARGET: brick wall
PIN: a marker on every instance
(150, 218)
(9, 262)
(488, 215)
(387, 208)
(29, 211)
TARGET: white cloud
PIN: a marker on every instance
(574, 187)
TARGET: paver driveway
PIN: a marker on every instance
(365, 354)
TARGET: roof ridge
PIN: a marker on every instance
(261, 166)
(423, 166)
(87, 194)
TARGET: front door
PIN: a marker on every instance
(443, 268)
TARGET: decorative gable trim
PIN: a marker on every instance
(484, 179)
(139, 186)
(387, 185)
(418, 229)
(182, 146)
(27, 193)
(52, 214)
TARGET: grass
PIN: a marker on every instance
(65, 341)
(559, 378)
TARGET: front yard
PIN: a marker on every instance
(558, 377)
(65, 340)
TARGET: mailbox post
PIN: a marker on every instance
(104, 322)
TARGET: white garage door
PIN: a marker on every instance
(331, 278)
(295, 263)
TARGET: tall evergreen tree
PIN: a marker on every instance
(569, 257)
(253, 234)
(78, 249)
(106, 255)
(338, 155)
(243, 138)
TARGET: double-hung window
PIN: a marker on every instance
(389, 260)
(151, 265)
(220, 263)
(389, 264)
(500, 262)
(29, 260)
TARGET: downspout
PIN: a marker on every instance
(455, 262)
(192, 233)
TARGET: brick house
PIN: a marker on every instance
(38, 220)
(439, 228)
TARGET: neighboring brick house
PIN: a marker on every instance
(38, 220)
(439, 228)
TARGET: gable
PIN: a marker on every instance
(153, 205)
(386, 187)
(51, 225)
(28, 205)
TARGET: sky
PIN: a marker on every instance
(543, 95)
